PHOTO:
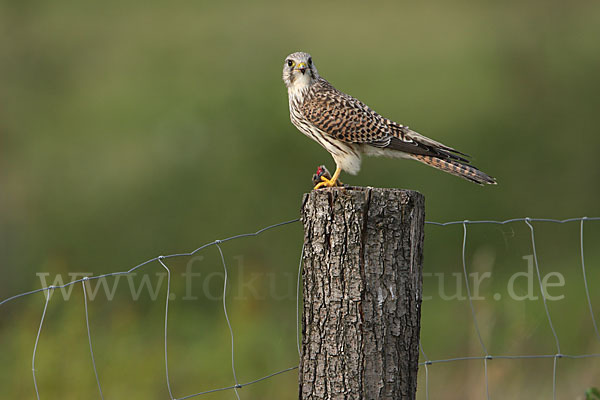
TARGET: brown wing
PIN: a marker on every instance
(350, 120)
(344, 117)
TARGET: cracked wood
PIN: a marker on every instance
(362, 284)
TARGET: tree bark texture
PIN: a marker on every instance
(362, 289)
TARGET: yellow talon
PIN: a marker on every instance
(326, 182)
(329, 182)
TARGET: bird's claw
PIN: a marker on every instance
(325, 183)
(322, 178)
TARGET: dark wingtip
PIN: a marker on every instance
(461, 153)
(490, 180)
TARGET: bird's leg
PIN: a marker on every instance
(329, 182)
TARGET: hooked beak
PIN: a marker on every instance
(301, 67)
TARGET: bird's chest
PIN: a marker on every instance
(300, 121)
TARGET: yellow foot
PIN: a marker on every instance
(325, 183)
(328, 182)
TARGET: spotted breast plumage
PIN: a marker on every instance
(347, 128)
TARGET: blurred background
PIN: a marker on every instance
(130, 130)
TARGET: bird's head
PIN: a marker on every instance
(299, 70)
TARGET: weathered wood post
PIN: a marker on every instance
(362, 280)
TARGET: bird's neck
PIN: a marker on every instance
(298, 92)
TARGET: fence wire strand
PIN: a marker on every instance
(235, 379)
(427, 363)
(160, 260)
(585, 283)
(464, 265)
(87, 324)
(475, 324)
(539, 276)
(47, 295)
(542, 291)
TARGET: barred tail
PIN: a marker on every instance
(465, 171)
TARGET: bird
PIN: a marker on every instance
(347, 128)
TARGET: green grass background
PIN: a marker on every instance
(132, 129)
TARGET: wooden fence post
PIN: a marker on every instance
(362, 281)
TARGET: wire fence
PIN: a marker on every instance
(485, 357)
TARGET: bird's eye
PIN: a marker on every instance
(290, 63)
(310, 61)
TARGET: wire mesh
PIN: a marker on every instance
(427, 363)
